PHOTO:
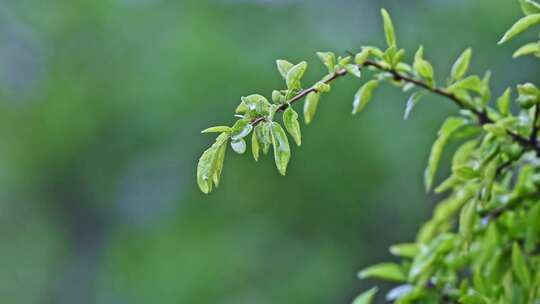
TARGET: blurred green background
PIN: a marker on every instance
(101, 105)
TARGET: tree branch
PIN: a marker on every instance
(483, 118)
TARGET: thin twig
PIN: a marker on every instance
(483, 118)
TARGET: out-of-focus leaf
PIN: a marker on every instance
(218, 129)
(407, 250)
(366, 297)
(529, 7)
(503, 102)
(533, 228)
(290, 119)
(520, 26)
(354, 70)
(527, 49)
(282, 151)
(519, 266)
(411, 102)
(449, 126)
(363, 95)
(384, 271)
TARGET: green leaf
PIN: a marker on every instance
(283, 67)
(363, 95)
(423, 67)
(533, 227)
(217, 129)
(519, 266)
(310, 106)
(328, 59)
(210, 164)
(241, 129)
(411, 102)
(255, 147)
(219, 159)
(239, 146)
(503, 102)
(472, 299)
(520, 26)
(529, 7)
(282, 151)
(290, 119)
(366, 297)
(295, 74)
(461, 65)
(527, 49)
(263, 136)
(449, 126)
(495, 129)
(467, 219)
(407, 250)
(388, 29)
(361, 57)
(384, 271)
(472, 83)
(353, 69)
(322, 87)
(278, 97)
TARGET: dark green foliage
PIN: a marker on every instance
(481, 245)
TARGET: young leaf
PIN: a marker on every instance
(282, 151)
(423, 67)
(384, 271)
(218, 129)
(363, 95)
(328, 59)
(461, 65)
(322, 87)
(210, 164)
(449, 126)
(407, 250)
(529, 7)
(533, 227)
(520, 26)
(310, 106)
(471, 83)
(411, 102)
(219, 159)
(255, 146)
(283, 67)
(388, 29)
(366, 297)
(361, 57)
(519, 266)
(353, 69)
(295, 74)
(239, 146)
(503, 102)
(527, 49)
(290, 119)
(241, 129)
(467, 219)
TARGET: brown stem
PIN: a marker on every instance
(483, 118)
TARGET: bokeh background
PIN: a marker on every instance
(101, 105)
